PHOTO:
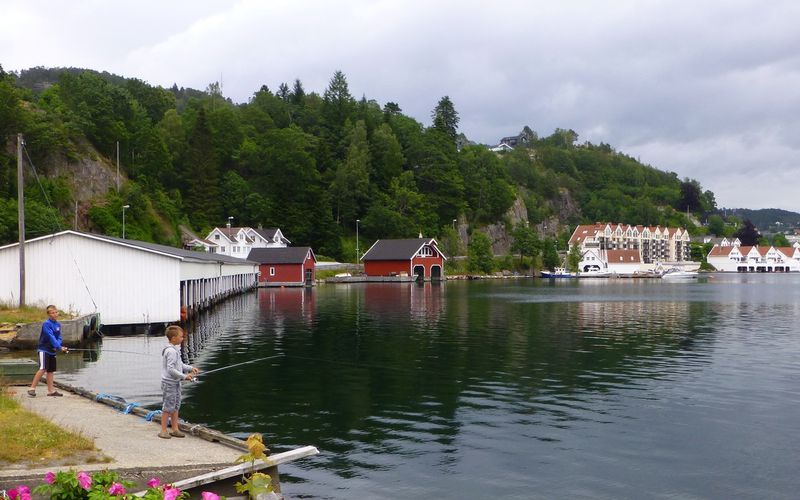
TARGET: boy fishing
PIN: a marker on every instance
(173, 371)
(49, 346)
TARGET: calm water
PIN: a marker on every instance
(500, 389)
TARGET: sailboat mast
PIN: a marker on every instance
(21, 217)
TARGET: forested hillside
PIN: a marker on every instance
(310, 163)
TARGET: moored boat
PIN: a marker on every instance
(558, 272)
(676, 273)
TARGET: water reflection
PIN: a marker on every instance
(555, 389)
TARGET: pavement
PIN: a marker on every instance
(130, 443)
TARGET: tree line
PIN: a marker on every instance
(310, 163)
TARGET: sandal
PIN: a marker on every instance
(164, 435)
(177, 434)
(31, 393)
(55, 394)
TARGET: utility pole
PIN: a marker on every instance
(21, 217)
(117, 167)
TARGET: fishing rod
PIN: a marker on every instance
(238, 364)
(99, 351)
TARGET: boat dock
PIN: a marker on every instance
(129, 444)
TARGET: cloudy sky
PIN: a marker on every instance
(709, 90)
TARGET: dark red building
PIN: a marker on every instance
(290, 266)
(419, 257)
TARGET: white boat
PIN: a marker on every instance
(676, 273)
(594, 273)
(558, 272)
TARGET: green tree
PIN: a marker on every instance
(779, 240)
(201, 192)
(445, 118)
(487, 191)
(551, 260)
(525, 242)
(479, 253)
(387, 157)
(574, 258)
(716, 225)
(338, 106)
(748, 234)
(350, 188)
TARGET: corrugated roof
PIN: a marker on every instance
(177, 252)
(287, 255)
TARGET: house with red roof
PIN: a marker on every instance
(419, 257)
(654, 245)
(754, 259)
(290, 266)
(623, 261)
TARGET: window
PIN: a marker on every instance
(216, 237)
(426, 251)
(272, 271)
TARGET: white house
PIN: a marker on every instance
(627, 261)
(238, 241)
(592, 261)
(736, 258)
(125, 281)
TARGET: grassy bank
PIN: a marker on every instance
(26, 437)
(24, 315)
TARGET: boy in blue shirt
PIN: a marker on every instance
(49, 346)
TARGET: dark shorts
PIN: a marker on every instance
(47, 362)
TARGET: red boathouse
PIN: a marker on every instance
(418, 257)
(290, 266)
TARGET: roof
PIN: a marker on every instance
(178, 253)
(268, 233)
(287, 255)
(720, 251)
(399, 249)
(622, 256)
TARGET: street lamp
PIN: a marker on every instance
(124, 207)
(454, 224)
(357, 221)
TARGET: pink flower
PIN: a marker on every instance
(50, 478)
(116, 489)
(154, 483)
(207, 495)
(20, 493)
(171, 493)
(85, 480)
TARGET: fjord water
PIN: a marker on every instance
(500, 389)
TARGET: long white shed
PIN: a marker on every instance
(125, 281)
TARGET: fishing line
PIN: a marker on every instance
(238, 364)
(346, 363)
(100, 351)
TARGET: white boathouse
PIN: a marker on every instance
(125, 281)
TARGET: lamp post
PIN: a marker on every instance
(124, 207)
(357, 221)
(454, 224)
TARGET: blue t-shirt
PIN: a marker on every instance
(50, 338)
